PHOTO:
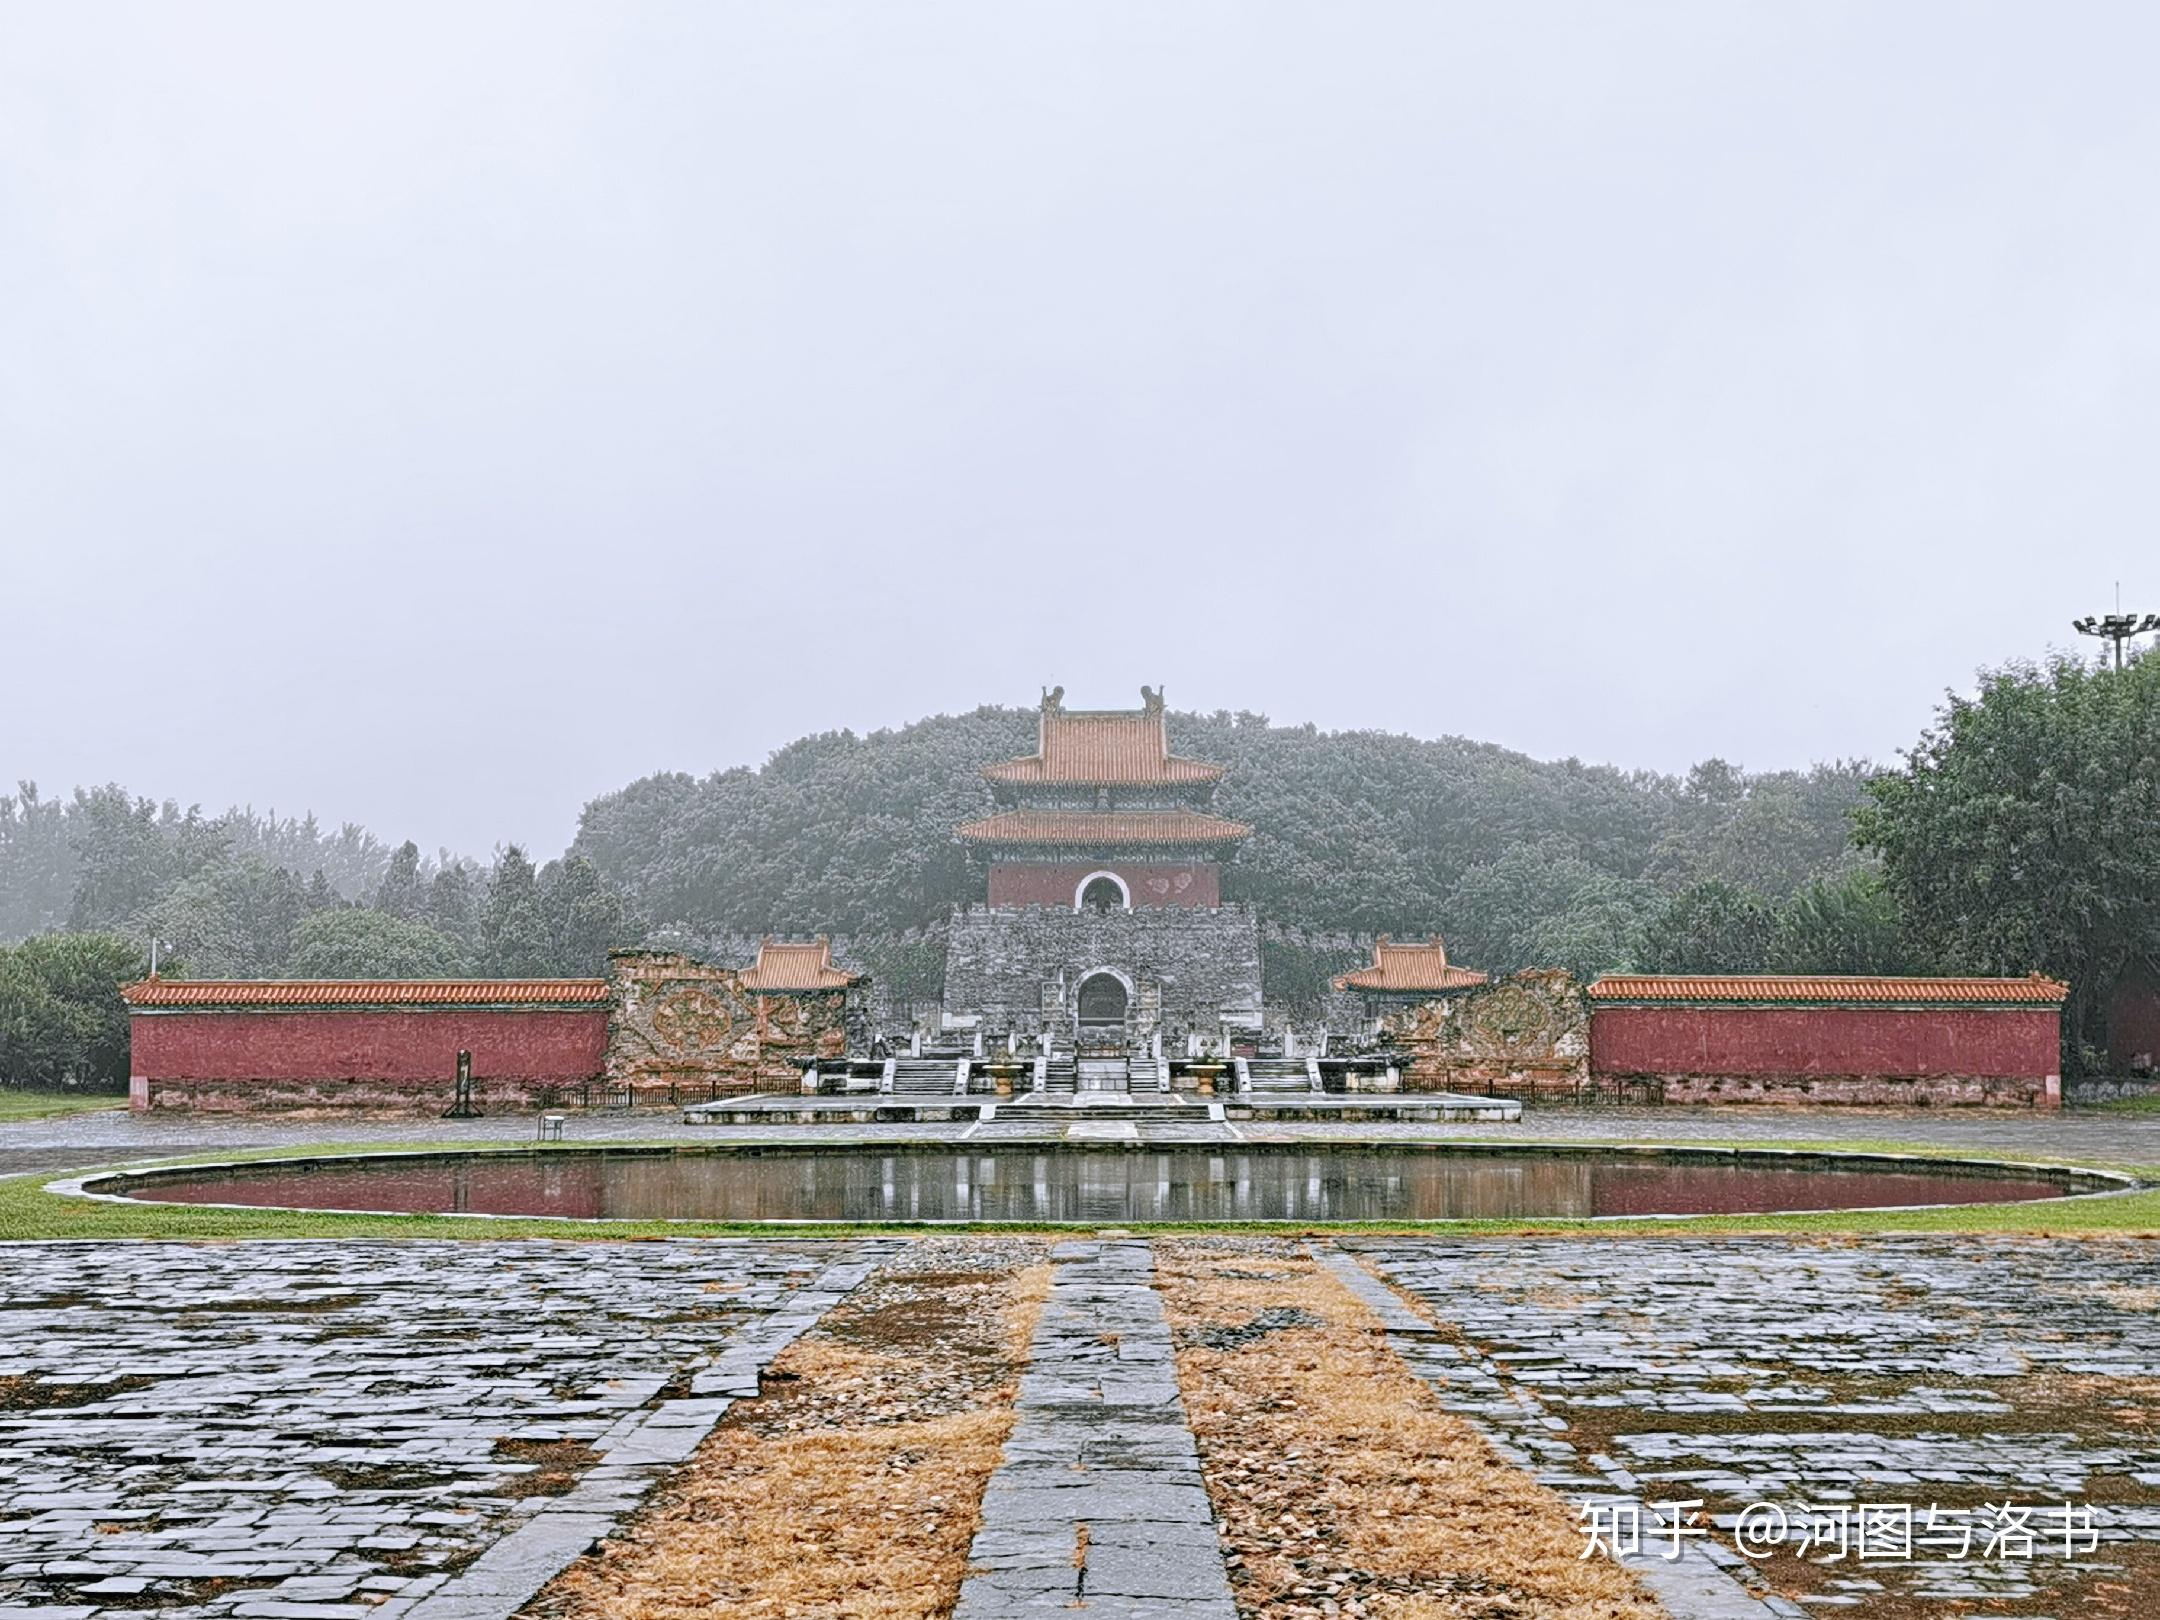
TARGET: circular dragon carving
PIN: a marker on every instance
(1510, 1022)
(692, 1020)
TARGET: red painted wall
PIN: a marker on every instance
(1824, 1042)
(352, 1044)
(1170, 883)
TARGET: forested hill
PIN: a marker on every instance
(2017, 835)
(1515, 859)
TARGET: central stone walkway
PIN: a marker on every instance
(1099, 1498)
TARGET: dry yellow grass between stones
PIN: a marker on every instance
(853, 1485)
(1343, 1485)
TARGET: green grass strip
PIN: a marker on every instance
(18, 1105)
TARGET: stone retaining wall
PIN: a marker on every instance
(1525, 1036)
(676, 1021)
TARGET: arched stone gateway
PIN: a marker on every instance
(1103, 1003)
(1102, 891)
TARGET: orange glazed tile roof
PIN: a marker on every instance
(1103, 827)
(1410, 966)
(1103, 748)
(796, 964)
(364, 992)
(2033, 990)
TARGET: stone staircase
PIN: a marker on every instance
(1278, 1075)
(1140, 1107)
(924, 1076)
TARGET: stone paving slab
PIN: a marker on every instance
(1916, 1369)
(334, 1429)
(1098, 1500)
(1691, 1586)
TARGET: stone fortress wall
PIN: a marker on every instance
(1189, 970)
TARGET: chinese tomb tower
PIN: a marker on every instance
(1105, 927)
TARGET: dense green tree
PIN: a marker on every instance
(320, 895)
(514, 941)
(581, 918)
(234, 919)
(2024, 831)
(358, 942)
(124, 855)
(1538, 905)
(1709, 927)
(451, 908)
(37, 864)
(41, 1036)
(61, 1018)
(1843, 924)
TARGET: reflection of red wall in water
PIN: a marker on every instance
(375, 1044)
(1824, 1041)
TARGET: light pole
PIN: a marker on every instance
(2116, 627)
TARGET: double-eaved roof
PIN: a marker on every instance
(1103, 748)
(1121, 754)
(1825, 990)
(1410, 967)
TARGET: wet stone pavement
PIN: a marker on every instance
(1950, 1371)
(332, 1430)
(430, 1430)
(1098, 1503)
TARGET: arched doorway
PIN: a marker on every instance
(1102, 891)
(1102, 1005)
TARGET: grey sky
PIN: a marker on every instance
(439, 415)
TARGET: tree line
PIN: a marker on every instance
(2021, 832)
(92, 881)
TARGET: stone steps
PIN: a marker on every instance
(923, 1077)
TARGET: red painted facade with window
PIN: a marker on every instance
(1028, 883)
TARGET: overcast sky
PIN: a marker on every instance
(439, 415)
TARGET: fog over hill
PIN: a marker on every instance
(1354, 832)
(1516, 859)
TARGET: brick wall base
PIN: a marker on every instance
(1857, 1091)
(426, 1097)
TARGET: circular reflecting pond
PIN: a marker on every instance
(1106, 1186)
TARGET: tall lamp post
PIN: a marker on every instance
(2116, 627)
